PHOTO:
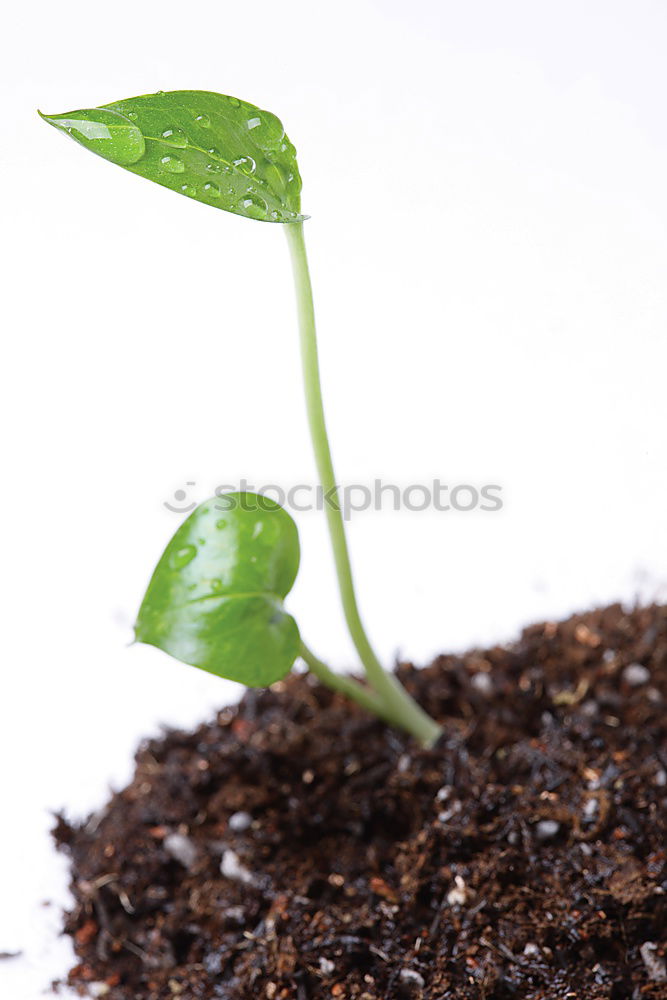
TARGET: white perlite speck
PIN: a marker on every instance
(482, 683)
(546, 829)
(590, 809)
(412, 978)
(99, 989)
(231, 867)
(239, 822)
(326, 966)
(458, 896)
(635, 675)
(655, 966)
(447, 814)
(181, 849)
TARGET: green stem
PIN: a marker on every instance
(394, 697)
(345, 685)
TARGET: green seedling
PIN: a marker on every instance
(215, 600)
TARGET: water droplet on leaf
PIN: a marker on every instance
(246, 163)
(253, 206)
(182, 557)
(108, 133)
(175, 137)
(172, 164)
(268, 131)
(221, 524)
(234, 101)
(189, 189)
(212, 190)
(216, 585)
(203, 120)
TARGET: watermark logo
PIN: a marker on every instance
(349, 498)
(181, 503)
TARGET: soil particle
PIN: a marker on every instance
(655, 965)
(181, 849)
(321, 854)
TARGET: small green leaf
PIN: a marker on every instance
(215, 598)
(218, 150)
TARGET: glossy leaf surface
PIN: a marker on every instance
(215, 149)
(215, 600)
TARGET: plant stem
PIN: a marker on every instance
(404, 711)
(346, 685)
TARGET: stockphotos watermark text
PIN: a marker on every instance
(352, 498)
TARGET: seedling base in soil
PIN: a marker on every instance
(296, 847)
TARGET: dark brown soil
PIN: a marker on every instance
(525, 856)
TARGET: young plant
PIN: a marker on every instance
(215, 600)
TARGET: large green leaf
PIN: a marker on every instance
(215, 598)
(216, 149)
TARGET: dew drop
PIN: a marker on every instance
(258, 528)
(203, 121)
(175, 137)
(221, 524)
(182, 557)
(216, 585)
(132, 115)
(270, 133)
(108, 133)
(253, 206)
(246, 163)
(189, 189)
(172, 164)
(276, 215)
(234, 101)
(213, 168)
(212, 190)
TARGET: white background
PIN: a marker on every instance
(487, 189)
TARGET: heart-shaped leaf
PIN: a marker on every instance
(216, 149)
(215, 598)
